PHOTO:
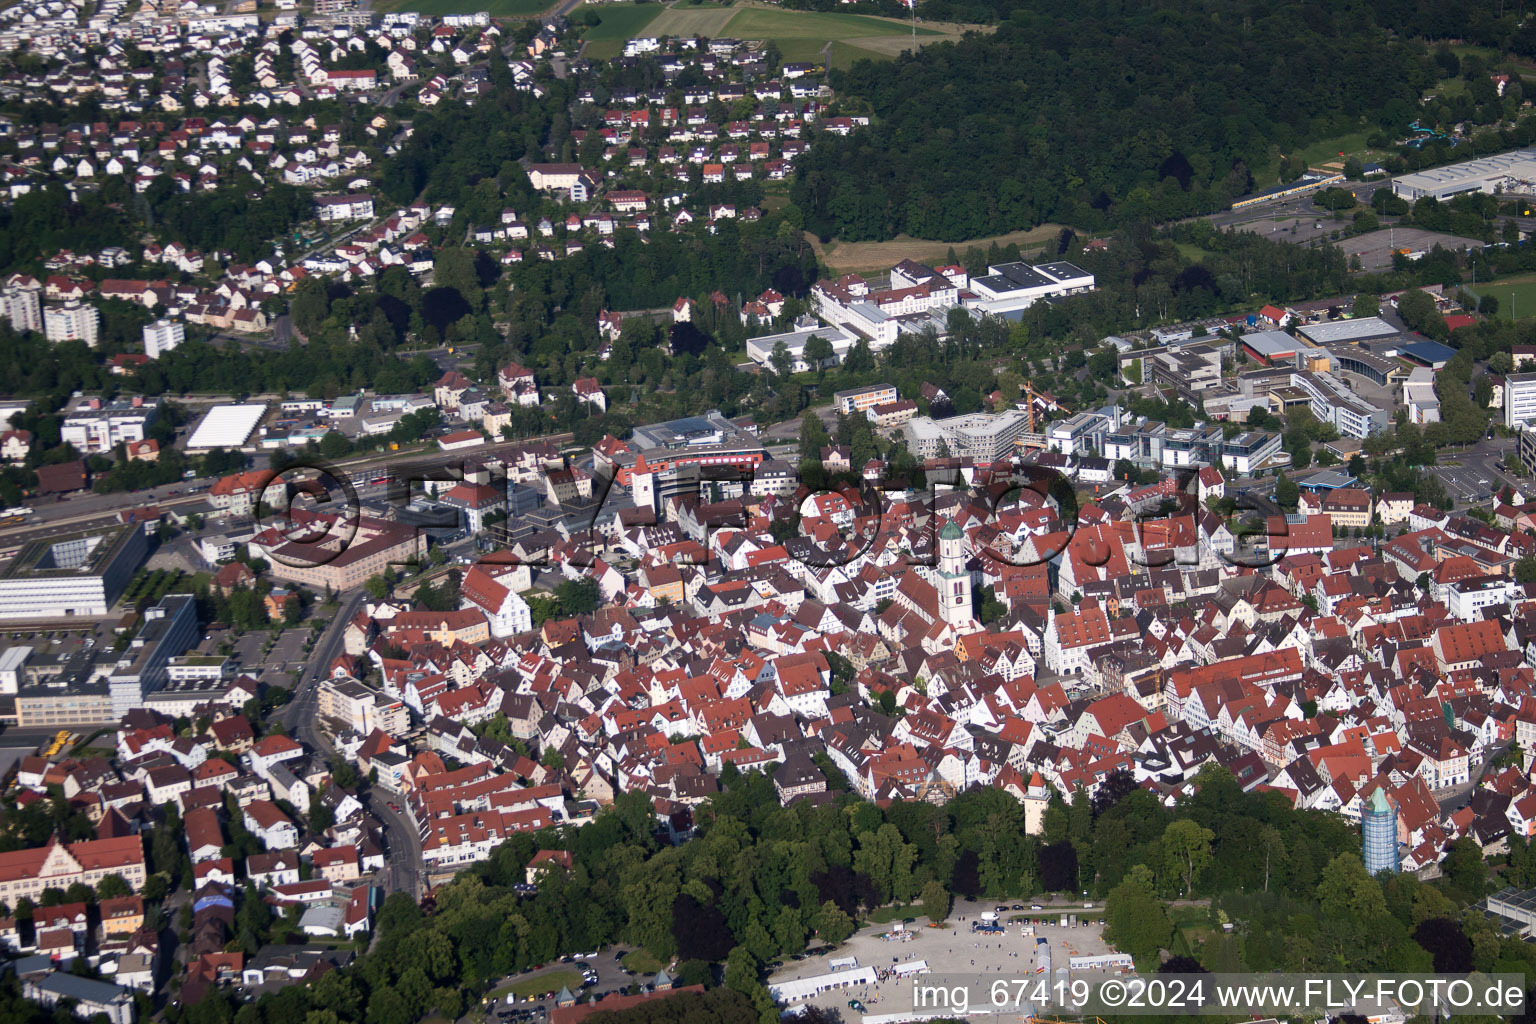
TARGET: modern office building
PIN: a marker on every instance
(1519, 400)
(1083, 433)
(1331, 401)
(984, 437)
(1378, 827)
(79, 574)
(1248, 451)
(170, 629)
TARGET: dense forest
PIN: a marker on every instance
(1098, 116)
(761, 881)
(1495, 23)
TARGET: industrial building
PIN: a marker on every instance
(227, 426)
(1503, 172)
(1336, 332)
(1271, 347)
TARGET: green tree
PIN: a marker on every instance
(1366, 305)
(1187, 844)
(935, 901)
(1272, 846)
(1346, 888)
(1136, 921)
(1286, 492)
(454, 268)
(888, 861)
(813, 437)
(832, 924)
(112, 887)
(1465, 868)
(818, 352)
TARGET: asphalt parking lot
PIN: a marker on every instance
(952, 951)
(605, 966)
(1376, 247)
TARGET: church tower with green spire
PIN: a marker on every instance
(954, 582)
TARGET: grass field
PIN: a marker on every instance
(859, 256)
(799, 35)
(690, 20)
(552, 982)
(803, 35)
(642, 962)
(495, 8)
(620, 22)
(1322, 153)
(1516, 295)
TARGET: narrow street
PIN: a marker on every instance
(299, 717)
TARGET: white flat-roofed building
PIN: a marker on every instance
(227, 426)
(73, 321)
(1490, 174)
(1466, 599)
(1420, 397)
(1519, 400)
(162, 336)
(760, 350)
(12, 661)
(1333, 402)
(349, 207)
(93, 425)
(1246, 452)
(862, 399)
(1008, 287)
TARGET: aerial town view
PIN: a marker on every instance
(721, 511)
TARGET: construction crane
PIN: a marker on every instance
(1030, 394)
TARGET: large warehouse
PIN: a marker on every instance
(227, 426)
(1505, 172)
